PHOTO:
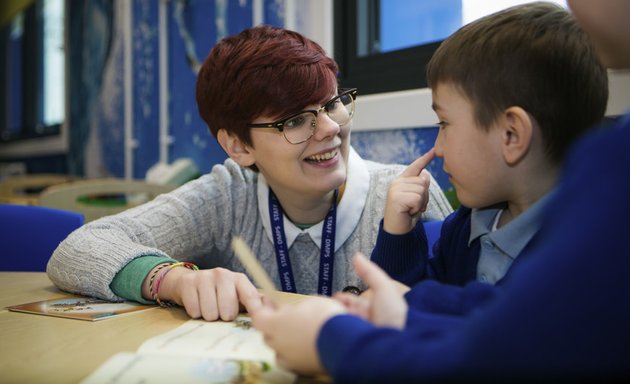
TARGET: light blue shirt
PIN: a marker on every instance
(499, 248)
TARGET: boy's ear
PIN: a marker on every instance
(517, 134)
(235, 148)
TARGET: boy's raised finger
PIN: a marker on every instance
(419, 164)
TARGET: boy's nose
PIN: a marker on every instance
(439, 150)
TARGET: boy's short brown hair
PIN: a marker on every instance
(534, 56)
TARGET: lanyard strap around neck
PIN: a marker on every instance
(327, 247)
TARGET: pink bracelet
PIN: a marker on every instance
(152, 280)
(158, 282)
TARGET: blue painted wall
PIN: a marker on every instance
(193, 28)
(402, 146)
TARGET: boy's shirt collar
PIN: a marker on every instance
(513, 237)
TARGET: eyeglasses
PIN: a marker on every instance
(300, 127)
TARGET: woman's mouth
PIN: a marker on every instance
(320, 157)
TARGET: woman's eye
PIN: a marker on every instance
(441, 124)
(295, 122)
(332, 105)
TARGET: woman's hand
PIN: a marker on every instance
(211, 294)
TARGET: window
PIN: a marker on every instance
(32, 78)
(383, 46)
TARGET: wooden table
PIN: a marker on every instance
(45, 349)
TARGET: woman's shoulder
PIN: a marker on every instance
(225, 178)
(230, 172)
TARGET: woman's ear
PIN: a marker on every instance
(237, 150)
(516, 134)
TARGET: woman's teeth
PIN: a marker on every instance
(322, 156)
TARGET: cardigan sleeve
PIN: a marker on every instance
(128, 281)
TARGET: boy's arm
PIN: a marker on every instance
(403, 257)
(400, 251)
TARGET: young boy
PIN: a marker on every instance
(561, 314)
(508, 110)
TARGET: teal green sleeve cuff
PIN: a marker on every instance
(128, 281)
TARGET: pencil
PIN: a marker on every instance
(252, 265)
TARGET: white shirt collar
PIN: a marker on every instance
(349, 208)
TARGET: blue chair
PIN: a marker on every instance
(29, 234)
(432, 229)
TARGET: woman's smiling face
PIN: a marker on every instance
(317, 166)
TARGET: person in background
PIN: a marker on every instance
(506, 120)
(293, 188)
(561, 314)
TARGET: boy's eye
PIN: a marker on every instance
(441, 124)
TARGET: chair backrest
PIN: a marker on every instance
(25, 189)
(432, 229)
(29, 235)
(96, 198)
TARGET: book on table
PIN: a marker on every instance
(80, 308)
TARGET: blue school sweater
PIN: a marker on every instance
(562, 313)
(456, 258)
(405, 257)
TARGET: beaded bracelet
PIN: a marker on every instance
(152, 279)
(158, 281)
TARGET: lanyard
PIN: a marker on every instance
(327, 247)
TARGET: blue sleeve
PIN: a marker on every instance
(433, 297)
(403, 257)
(438, 310)
(354, 351)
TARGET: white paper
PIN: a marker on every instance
(227, 340)
(197, 352)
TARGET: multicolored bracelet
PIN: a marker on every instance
(165, 268)
(152, 279)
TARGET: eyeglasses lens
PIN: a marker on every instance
(300, 128)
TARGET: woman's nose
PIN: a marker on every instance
(326, 127)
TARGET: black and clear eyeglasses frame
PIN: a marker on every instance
(279, 124)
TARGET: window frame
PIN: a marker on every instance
(384, 72)
(35, 139)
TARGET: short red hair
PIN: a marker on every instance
(263, 70)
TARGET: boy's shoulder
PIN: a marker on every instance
(459, 218)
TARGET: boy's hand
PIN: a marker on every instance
(292, 329)
(383, 304)
(408, 196)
